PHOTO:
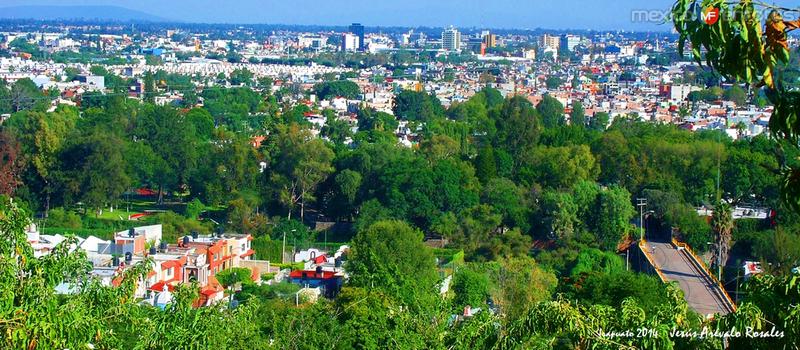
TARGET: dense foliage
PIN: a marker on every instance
(536, 208)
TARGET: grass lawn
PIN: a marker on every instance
(136, 207)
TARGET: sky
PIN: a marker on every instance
(517, 14)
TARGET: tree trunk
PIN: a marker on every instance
(160, 194)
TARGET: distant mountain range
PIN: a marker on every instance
(107, 13)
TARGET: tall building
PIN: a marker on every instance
(451, 39)
(489, 39)
(350, 42)
(568, 42)
(358, 30)
(549, 42)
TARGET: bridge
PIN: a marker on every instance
(676, 262)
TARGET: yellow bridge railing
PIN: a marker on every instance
(705, 268)
(651, 259)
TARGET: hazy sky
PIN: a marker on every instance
(550, 14)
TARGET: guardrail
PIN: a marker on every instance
(651, 259)
(702, 266)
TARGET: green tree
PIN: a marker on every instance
(241, 76)
(518, 127)
(348, 186)
(520, 284)
(578, 115)
(390, 256)
(336, 130)
(231, 277)
(202, 121)
(194, 209)
(149, 90)
(485, 164)
(11, 163)
(559, 215)
(41, 137)
(599, 121)
(341, 88)
(173, 138)
(93, 170)
(557, 167)
(300, 164)
(553, 82)
(417, 106)
(510, 200)
(722, 223)
(470, 288)
(24, 94)
(552, 112)
(143, 163)
(614, 216)
(736, 95)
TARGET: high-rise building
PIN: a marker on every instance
(549, 42)
(569, 42)
(350, 42)
(451, 39)
(489, 39)
(358, 30)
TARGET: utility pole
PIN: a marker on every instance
(641, 203)
(719, 161)
(627, 259)
(719, 263)
(283, 249)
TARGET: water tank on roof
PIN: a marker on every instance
(131, 232)
(128, 257)
(186, 240)
(115, 261)
(153, 250)
(194, 234)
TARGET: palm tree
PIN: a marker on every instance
(722, 223)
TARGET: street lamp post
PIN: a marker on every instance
(641, 203)
(283, 247)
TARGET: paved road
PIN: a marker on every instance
(699, 290)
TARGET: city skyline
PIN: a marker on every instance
(502, 14)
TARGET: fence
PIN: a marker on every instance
(643, 249)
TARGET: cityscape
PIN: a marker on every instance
(173, 183)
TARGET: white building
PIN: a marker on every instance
(451, 39)
(350, 42)
(313, 42)
(680, 92)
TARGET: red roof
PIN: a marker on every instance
(320, 259)
(159, 287)
(172, 263)
(312, 274)
(247, 253)
(146, 192)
